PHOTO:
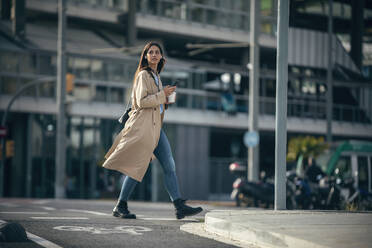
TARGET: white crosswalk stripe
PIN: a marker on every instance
(59, 218)
(86, 211)
(23, 213)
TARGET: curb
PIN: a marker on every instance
(254, 236)
(199, 230)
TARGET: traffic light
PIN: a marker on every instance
(70, 82)
(9, 148)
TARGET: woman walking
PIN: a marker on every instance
(142, 137)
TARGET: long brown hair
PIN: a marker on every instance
(144, 64)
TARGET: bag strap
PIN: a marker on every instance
(129, 103)
(157, 85)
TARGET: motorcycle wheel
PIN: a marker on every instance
(237, 200)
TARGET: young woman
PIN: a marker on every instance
(142, 136)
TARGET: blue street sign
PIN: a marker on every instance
(251, 139)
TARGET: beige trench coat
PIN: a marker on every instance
(133, 147)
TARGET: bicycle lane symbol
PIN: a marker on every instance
(132, 230)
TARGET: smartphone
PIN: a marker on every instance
(174, 83)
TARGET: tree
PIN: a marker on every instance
(303, 147)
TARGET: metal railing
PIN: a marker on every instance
(113, 92)
(111, 86)
(229, 14)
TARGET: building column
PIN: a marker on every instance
(30, 118)
(17, 162)
(131, 26)
(356, 34)
(19, 18)
(5, 9)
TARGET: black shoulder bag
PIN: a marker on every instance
(124, 117)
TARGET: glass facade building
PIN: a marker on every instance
(209, 119)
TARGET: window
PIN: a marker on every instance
(98, 70)
(363, 173)
(30, 91)
(8, 61)
(47, 89)
(82, 68)
(8, 85)
(116, 95)
(28, 63)
(100, 94)
(46, 65)
(83, 92)
(115, 72)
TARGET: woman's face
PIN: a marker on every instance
(153, 55)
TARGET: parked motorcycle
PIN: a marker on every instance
(258, 193)
(352, 197)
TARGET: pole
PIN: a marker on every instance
(30, 118)
(329, 100)
(281, 105)
(253, 155)
(60, 171)
(131, 29)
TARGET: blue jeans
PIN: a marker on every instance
(163, 153)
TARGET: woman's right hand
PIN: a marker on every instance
(168, 90)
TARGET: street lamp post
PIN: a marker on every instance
(281, 105)
(254, 57)
(329, 74)
(60, 171)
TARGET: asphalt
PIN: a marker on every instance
(292, 228)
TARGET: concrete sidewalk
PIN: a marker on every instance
(269, 228)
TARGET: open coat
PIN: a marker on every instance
(133, 147)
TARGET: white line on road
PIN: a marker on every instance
(40, 241)
(41, 202)
(170, 219)
(132, 230)
(48, 208)
(23, 213)
(59, 218)
(87, 212)
(7, 204)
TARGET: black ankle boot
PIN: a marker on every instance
(121, 210)
(182, 210)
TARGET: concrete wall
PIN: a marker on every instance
(191, 156)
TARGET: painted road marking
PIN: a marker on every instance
(59, 218)
(170, 219)
(7, 204)
(40, 241)
(48, 208)
(87, 212)
(132, 230)
(23, 213)
(41, 202)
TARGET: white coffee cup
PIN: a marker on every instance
(172, 97)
